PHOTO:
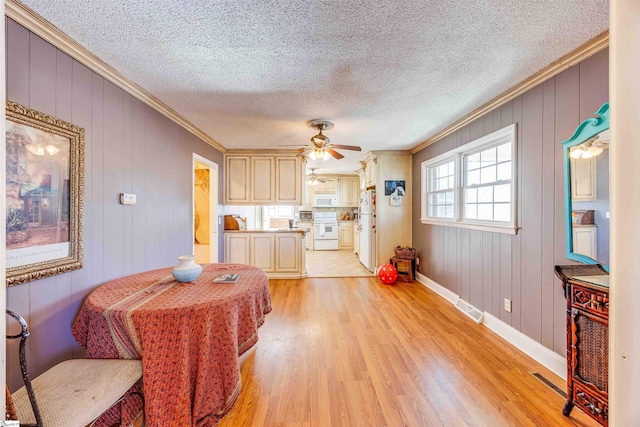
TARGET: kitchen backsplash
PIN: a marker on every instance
(344, 214)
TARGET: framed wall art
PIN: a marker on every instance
(44, 195)
(394, 188)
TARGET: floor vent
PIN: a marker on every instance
(469, 310)
(549, 384)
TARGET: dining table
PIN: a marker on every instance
(189, 337)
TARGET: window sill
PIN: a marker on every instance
(508, 229)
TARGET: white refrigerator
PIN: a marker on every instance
(367, 229)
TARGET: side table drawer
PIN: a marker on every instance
(592, 301)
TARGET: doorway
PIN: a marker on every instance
(205, 210)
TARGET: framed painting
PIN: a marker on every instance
(44, 195)
(394, 188)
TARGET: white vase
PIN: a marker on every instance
(188, 270)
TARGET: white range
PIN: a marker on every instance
(325, 231)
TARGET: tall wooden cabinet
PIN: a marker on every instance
(586, 288)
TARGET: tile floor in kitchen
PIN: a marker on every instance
(335, 264)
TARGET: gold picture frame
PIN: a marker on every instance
(44, 195)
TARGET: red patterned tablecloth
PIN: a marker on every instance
(188, 335)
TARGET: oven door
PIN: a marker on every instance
(325, 231)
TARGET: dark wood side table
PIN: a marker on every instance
(586, 289)
(406, 271)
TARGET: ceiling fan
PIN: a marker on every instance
(314, 179)
(321, 146)
(591, 147)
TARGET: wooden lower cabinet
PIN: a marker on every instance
(356, 239)
(345, 235)
(586, 289)
(236, 248)
(262, 251)
(279, 254)
(288, 249)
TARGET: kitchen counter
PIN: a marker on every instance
(268, 230)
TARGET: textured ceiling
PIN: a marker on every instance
(389, 74)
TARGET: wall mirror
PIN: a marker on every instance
(586, 181)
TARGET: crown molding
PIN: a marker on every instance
(43, 28)
(588, 49)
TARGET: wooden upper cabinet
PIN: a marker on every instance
(236, 173)
(349, 191)
(370, 171)
(583, 179)
(288, 180)
(330, 185)
(262, 179)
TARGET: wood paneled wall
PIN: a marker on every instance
(485, 267)
(130, 148)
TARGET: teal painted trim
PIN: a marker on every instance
(587, 129)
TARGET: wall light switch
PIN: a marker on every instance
(607, 215)
(127, 199)
(507, 305)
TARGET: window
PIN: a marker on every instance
(440, 192)
(473, 186)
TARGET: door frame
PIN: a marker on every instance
(213, 205)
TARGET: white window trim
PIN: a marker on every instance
(508, 133)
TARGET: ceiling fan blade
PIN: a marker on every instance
(334, 153)
(347, 147)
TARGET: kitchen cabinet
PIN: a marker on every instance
(262, 189)
(586, 289)
(236, 248)
(345, 235)
(262, 246)
(309, 235)
(262, 179)
(288, 180)
(329, 186)
(349, 191)
(356, 239)
(287, 256)
(584, 240)
(280, 253)
(237, 171)
(370, 172)
(583, 179)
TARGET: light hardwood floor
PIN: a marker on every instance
(355, 352)
(335, 264)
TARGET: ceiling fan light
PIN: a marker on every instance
(586, 154)
(319, 153)
(595, 150)
(312, 182)
(575, 153)
(36, 149)
(52, 149)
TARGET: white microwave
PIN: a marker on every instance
(325, 200)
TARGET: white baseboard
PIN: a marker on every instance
(437, 288)
(541, 354)
(532, 348)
